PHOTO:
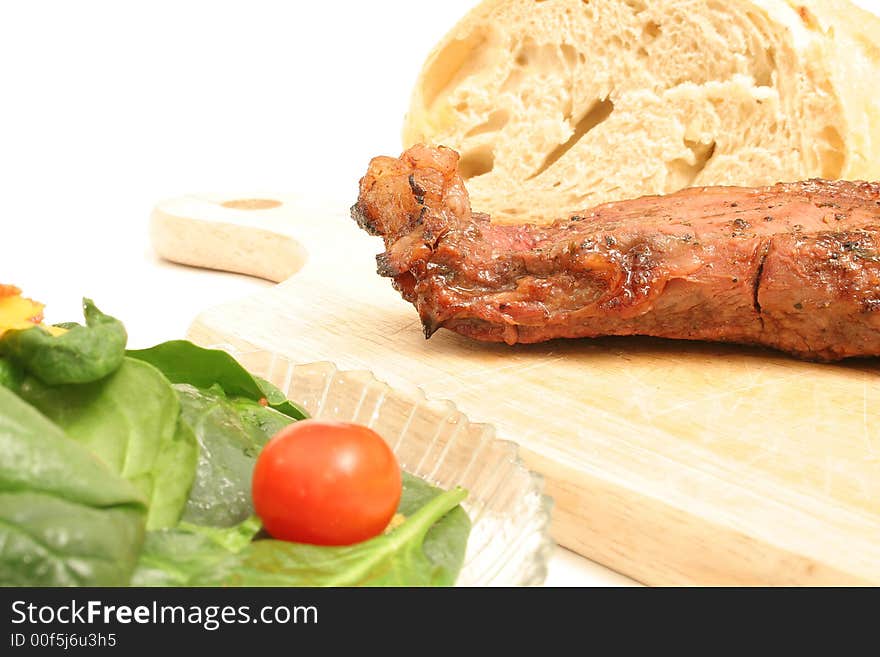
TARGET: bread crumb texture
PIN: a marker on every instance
(558, 105)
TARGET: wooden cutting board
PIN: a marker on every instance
(672, 462)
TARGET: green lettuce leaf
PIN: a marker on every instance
(171, 556)
(81, 355)
(183, 362)
(128, 419)
(65, 517)
(230, 434)
(11, 375)
(426, 550)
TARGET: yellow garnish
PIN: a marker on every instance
(396, 521)
(9, 291)
(17, 312)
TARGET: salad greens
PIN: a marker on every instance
(128, 419)
(81, 354)
(445, 541)
(230, 435)
(134, 467)
(183, 362)
(419, 552)
(11, 376)
(65, 517)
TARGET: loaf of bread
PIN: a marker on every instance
(558, 105)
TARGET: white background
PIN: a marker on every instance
(107, 107)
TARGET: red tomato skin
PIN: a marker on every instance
(326, 483)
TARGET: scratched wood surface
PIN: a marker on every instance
(672, 462)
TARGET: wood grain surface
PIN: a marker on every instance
(673, 462)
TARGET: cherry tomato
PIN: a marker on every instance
(326, 483)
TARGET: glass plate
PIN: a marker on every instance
(510, 543)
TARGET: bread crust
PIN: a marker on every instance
(555, 105)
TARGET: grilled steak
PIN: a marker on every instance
(795, 266)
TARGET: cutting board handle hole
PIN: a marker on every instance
(251, 204)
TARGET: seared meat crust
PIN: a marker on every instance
(795, 266)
